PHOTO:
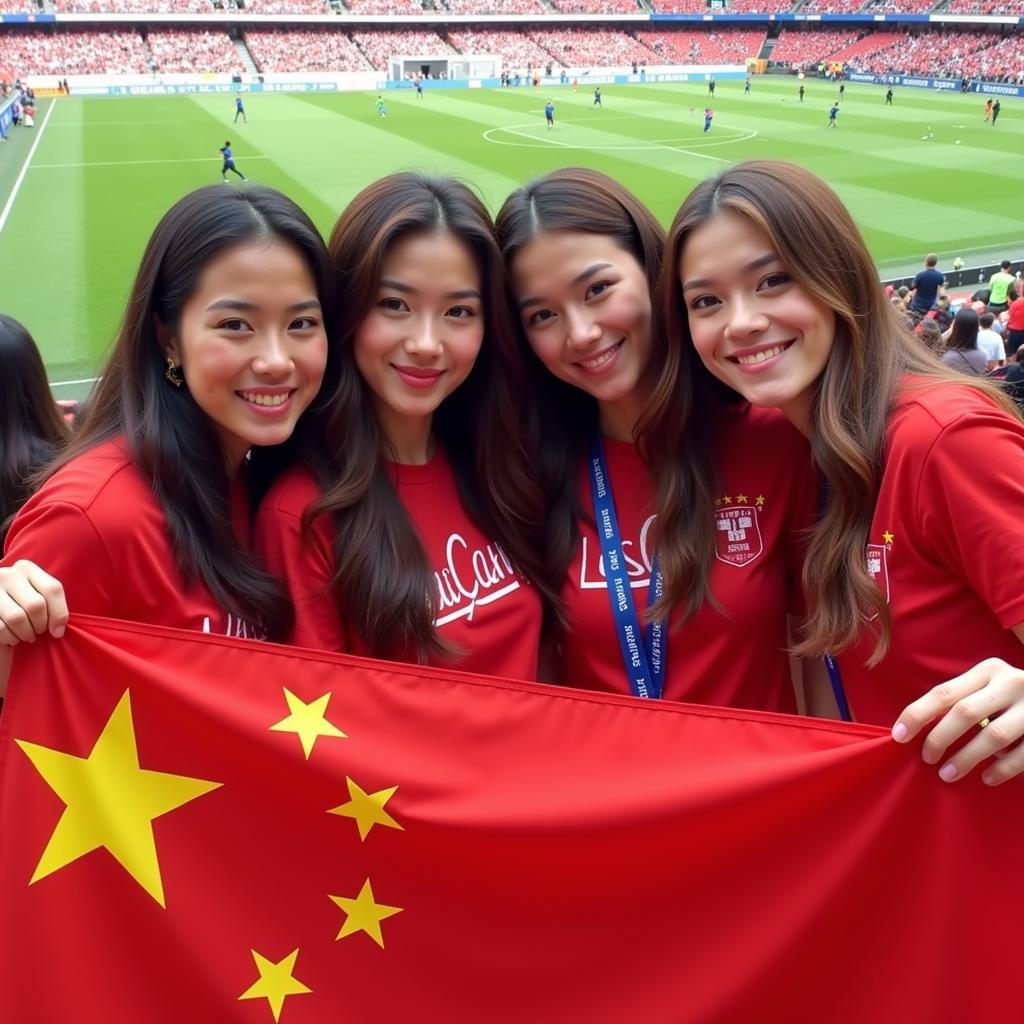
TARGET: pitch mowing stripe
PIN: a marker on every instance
(129, 163)
(24, 168)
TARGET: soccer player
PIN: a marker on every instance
(801, 94)
(746, 86)
(842, 89)
(382, 110)
(833, 114)
(888, 97)
(711, 85)
(708, 114)
(229, 163)
(419, 89)
(996, 107)
(597, 97)
(549, 113)
(988, 111)
(240, 109)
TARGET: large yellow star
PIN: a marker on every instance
(364, 915)
(888, 537)
(275, 982)
(367, 808)
(110, 801)
(307, 720)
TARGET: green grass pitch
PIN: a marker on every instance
(106, 169)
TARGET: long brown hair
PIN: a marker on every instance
(171, 440)
(32, 429)
(561, 419)
(873, 354)
(383, 580)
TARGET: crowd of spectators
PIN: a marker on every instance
(380, 45)
(993, 7)
(600, 6)
(286, 7)
(899, 6)
(949, 54)
(88, 51)
(519, 51)
(685, 6)
(692, 46)
(574, 46)
(313, 49)
(404, 7)
(132, 6)
(831, 6)
(496, 6)
(798, 47)
(187, 50)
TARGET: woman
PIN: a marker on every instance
(909, 577)
(145, 516)
(585, 256)
(32, 429)
(962, 352)
(414, 534)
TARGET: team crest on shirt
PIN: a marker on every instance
(738, 538)
(878, 564)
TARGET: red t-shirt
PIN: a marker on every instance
(944, 547)
(1016, 320)
(483, 607)
(97, 527)
(734, 655)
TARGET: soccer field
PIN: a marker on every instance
(104, 170)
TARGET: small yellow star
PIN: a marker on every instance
(307, 720)
(275, 982)
(110, 802)
(727, 500)
(718, 502)
(367, 808)
(888, 537)
(741, 499)
(760, 500)
(364, 915)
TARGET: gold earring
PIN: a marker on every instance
(173, 373)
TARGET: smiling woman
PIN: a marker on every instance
(222, 348)
(414, 534)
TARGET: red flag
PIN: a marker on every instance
(198, 829)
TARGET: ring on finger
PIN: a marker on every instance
(983, 724)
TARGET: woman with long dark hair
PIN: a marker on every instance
(146, 515)
(649, 610)
(415, 533)
(32, 429)
(962, 352)
(772, 293)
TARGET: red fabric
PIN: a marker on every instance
(1016, 320)
(944, 547)
(564, 856)
(483, 608)
(734, 656)
(97, 527)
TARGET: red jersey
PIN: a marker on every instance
(733, 655)
(97, 527)
(483, 607)
(943, 547)
(1016, 320)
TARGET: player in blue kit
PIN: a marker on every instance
(229, 163)
(549, 113)
(240, 109)
(597, 97)
(708, 114)
(832, 115)
(419, 89)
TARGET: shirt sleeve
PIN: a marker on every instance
(63, 541)
(304, 562)
(971, 501)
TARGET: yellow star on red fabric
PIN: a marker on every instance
(110, 802)
(307, 721)
(364, 914)
(759, 500)
(367, 808)
(276, 982)
(741, 499)
(888, 537)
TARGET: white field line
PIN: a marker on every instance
(21, 176)
(131, 163)
(69, 383)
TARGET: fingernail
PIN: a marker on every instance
(989, 779)
(899, 732)
(948, 772)
(59, 631)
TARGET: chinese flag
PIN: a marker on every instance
(198, 829)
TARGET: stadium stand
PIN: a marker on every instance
(90, 51)
(320, 48)
(601, 6)
(692, 46)
(186, 50)
(798, 47)
(899, 6)
(380, 45)
(573, 46)
(496, 6)
(682, 6)
(993, 7)
(405, 7)
(518, 50)
(132, 6)
(831, 6)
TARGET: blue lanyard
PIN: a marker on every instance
(835, 677)
(642, 655)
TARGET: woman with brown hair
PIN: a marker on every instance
(909, 579)
(415, 534)
(32, 429)
(585, 257)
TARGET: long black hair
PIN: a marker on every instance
(170, 438)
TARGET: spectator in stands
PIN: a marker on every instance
(931, 336)
(920, 463)
(962, 352)
(990, 342)
(928, 286)
(1015, 326)
(1000, 285)
(942, 314)
(1014, 379)
(32, 429)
